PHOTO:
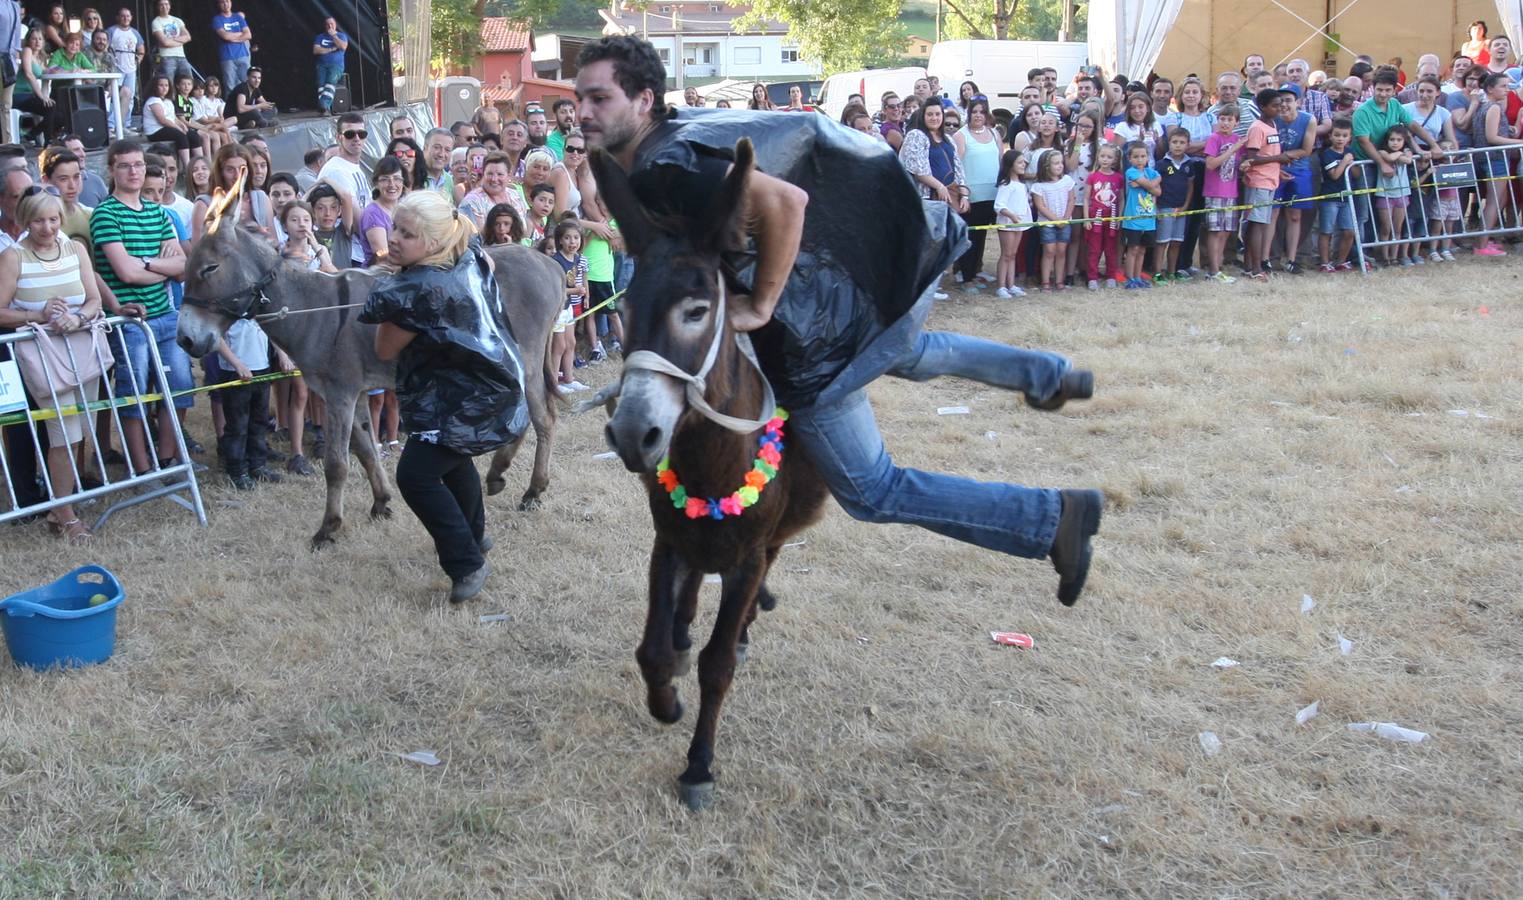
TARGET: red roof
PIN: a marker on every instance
(500, 35)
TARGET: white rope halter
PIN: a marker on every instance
(697, 385)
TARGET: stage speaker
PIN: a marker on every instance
(343, 101)
(84, 114)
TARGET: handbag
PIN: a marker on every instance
(8, 71)
(60, 354)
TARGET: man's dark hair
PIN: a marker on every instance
(160, 149)
(1033, 74)
(1344, 123)
(53, 157)
(455, 128)
(556, 106)
(351, 118)
(322, 191)
(253, 69)
(121, 148)
(1361, 69)
(636, 67)
(312, 156)
(1099, 84)
(1264, 98)
(1386, 77)
(153, 159)
(283, 178)
(16, 151)
(541, 188)
(154, 171)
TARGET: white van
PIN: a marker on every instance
(870, 83)
(999, 68)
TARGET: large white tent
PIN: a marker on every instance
(1130, 36)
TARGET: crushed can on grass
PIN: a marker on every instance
(66, 624)
(1013, 639)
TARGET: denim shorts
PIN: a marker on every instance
(1334, 216)
(1054, 234)
(132, 345)
(1171, 227)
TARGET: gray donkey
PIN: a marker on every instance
(235, 272)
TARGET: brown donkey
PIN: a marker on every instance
(695, 417)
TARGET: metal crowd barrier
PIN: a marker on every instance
(1482, 177)
(22, 424)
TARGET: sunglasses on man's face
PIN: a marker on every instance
(351, 135)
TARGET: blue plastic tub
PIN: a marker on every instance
(55, 625)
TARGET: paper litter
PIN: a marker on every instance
(1307, 713)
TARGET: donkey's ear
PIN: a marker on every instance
(723, 217)
(615, 192)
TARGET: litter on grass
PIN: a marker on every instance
(991, 435)
(1307, 713)
(426, 757)
(1345, 646)
(1225, 662)
(1013, 639)
(494, 617)
(1210, 743)
(1307, 604)
(1391, 731)
(952, 411)
(609, 454)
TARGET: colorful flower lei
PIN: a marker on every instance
(768, 460)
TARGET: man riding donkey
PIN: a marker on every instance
(835, 295)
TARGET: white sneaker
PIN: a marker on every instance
(1094, 285)
(572, 387)
(957, 277)
(940, 295)
(1448, 255)
(1016, 291)
(985, 276)
(1003, 293)
(1436, 256)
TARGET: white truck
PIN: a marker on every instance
(999, 68)
(870, 83)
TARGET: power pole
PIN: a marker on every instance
(938, 21)
(1066, 32)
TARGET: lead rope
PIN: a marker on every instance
(696, 384)
(285, 311)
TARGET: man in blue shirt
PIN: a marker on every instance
(329, 47)
(234, 37)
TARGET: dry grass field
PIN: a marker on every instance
(1257, 443)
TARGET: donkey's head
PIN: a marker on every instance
(225, 270)
(673, 305)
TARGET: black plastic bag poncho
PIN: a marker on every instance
(869, 259)
(460, 381)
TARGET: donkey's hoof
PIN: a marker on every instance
(529, 503)
(683, 664)
(741, 652)
(696, 797)
(322, 541)
(495, 486)
(766, 599)
(380, 511)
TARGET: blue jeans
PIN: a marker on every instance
(172, 67)
(132, 345)
(843, 442)
(327, 77)
(234, 73)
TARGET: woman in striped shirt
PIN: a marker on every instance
(46, 279)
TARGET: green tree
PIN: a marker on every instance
(843, 34)
(1021, 20)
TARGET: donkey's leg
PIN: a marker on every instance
(716, 669)
(687, 610)
(655, 654)
(543, 418)
(502, 460)
(360, 443)
(338, 420)
(764, 601)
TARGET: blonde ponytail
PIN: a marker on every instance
(449, 232)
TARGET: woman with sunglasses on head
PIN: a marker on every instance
(408, 153)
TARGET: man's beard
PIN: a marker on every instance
(536, 141)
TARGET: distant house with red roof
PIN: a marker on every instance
(507, 48)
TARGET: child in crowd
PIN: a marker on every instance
(1103, 202)
(283, 191)
(567, 251)
(245, 407)
(503, 226)
(331, 224)
(1140, 222)
(1012, 212)
(1178, 189)
(1052, 197)
(1221, 190)
(1262, 158)
(301, 245)
(1392, 193)
(1335, 215)
(541, 205)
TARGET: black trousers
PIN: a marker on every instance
(1194, 224)
(442, 488)
(246, 414)
(21, 453)
(980, 213)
